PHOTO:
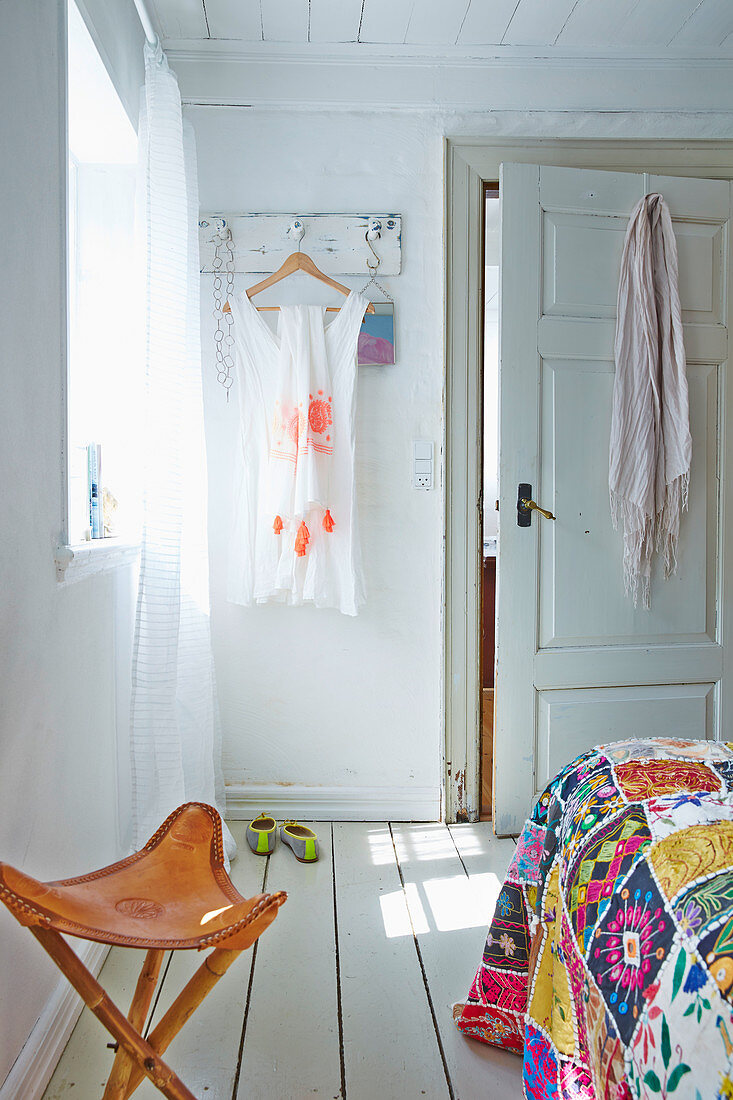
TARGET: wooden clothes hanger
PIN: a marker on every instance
(297, 261)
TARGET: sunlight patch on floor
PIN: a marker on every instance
(460, 902)
(399, 920)
(381, 847)
(453, 903)
(432, 843)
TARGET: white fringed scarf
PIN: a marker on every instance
(651, 446)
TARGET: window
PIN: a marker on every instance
(105, 374)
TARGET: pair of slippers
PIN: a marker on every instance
(262, 837)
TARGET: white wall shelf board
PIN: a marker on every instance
(334, 241)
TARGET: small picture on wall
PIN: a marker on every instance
(376, 339)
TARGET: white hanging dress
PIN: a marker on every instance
(294, 532)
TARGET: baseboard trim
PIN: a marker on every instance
(34, 1066)
(333, 803)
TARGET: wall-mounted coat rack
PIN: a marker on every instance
(335, 241)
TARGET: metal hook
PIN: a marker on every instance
(297, 231)
(221, 230)
(371, 267)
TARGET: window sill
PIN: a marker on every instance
(84, 559)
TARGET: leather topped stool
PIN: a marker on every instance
(173, 894)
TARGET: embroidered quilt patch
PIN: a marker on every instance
(609, 962)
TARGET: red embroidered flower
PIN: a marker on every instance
(296, 426)
(319, 416)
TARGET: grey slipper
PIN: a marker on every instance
(302, 840)
(262, 834)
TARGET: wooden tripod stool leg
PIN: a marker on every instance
(109, 1014)
(203, 981)
(119, 1077)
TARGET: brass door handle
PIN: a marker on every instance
(532, 506)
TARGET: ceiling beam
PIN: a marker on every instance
(288, 78)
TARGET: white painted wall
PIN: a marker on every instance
(312, 697)
(65, 649)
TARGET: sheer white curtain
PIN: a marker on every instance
(175, 734)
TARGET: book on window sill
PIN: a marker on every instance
(94, 467)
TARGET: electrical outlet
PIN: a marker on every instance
(422, 464)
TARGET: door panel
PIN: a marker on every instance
(581, 257)
(707, 199)
(564, 718)
(585, 190)
(703, 343)
(700, 252)
(612, 665)
(580, 552)
(577, 664)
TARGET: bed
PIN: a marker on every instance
(609, 961)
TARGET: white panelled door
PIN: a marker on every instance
(577, 664)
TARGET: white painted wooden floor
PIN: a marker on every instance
(349, 992)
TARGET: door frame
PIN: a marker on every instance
(469, 164)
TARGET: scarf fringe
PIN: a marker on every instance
(668, 522)
(643, 534)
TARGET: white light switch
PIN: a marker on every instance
(422, 464)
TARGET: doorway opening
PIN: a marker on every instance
(489, 487)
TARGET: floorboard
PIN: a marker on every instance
(291, 1039)
(449, 912)
(205, 1052)
(363, 1001)
(86, 1061)
(390, 1045)
(481, 852)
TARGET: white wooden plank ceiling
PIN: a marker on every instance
(634, 28)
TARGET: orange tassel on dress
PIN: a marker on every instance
(302, 539)
(277, 525)
(328, 523)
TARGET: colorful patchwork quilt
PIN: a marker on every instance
(609, 961)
